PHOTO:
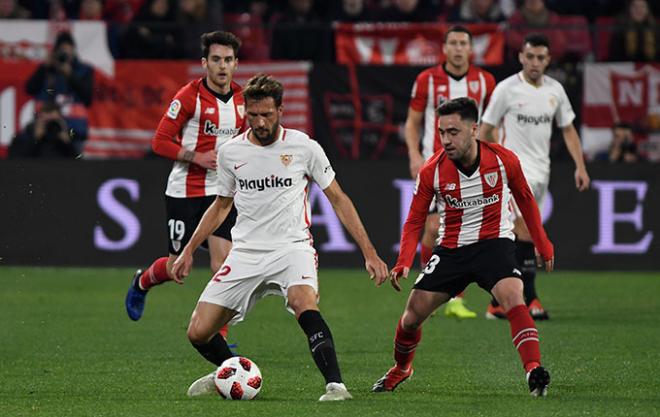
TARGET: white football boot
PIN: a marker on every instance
(204, 385)
(335, 391)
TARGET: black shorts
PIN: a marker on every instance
(452, 270)
(183, 216)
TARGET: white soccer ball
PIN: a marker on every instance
(238, 378)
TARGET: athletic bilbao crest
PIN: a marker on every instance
(491, 179)
(474, 86)
(286, 159)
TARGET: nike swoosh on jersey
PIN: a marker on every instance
(237, 166)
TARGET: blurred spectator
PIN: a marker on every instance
(409, 11)
(478, 11)
(636, 35)
(300, 33)
(121, 11)
(194, 18)
(533, 16)
(68, 82)
(153, 35)
(90, 10)
(352, 11)
(46, 136)
(10, 9)
(623, 148)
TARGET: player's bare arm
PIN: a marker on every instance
(488, 133)
(572, 140)
(349, 217)
(211, 220)
(208, 160)
(413, 132)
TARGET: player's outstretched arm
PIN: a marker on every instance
(413, 132)
(572, 140)
(488, 133)
(529, 209)
(349, 217)
(211, 220)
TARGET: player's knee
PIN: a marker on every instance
(410, 320)
(196, 335)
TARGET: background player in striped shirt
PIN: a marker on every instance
(526, 104)
(456, 77)
(267, 172)
(204, 114)
(472, 183)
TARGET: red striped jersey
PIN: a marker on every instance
(434, 86)
(198, 120)
(472, 207)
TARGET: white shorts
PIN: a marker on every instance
(249, 275)
(539, 190)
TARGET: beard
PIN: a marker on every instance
(265, 136)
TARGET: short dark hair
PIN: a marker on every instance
(221, 38)
(536, 39)
(62, 38)
(463, 106)
(457, 29)
(262, 86)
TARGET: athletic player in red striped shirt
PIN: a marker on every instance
(472, 183)
(204, 114)
(456, 77)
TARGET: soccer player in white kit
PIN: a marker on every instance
(266, 172)
(526, 104)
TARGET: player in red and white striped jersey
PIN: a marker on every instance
(472, 183)
(204, 114)
(456, 77)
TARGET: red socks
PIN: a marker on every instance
(405, 343)
(425, 255)
(155, 274)
(525, 336)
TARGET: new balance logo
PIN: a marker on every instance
(209, 110)
(450, 187)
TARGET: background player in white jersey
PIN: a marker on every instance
(526, 104)
(204, 114)
(454, 78)
(472, 183)
(266, 172)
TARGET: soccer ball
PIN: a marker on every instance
(238, 378)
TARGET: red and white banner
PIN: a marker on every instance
(621, 92)
(126, 108)
(411, 43)
(33, 39)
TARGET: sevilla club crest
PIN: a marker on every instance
(286, 159)
(474, 86)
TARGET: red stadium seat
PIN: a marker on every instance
(254, 37)
(602, 37)
(577, 34)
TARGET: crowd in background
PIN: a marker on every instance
(302, 29)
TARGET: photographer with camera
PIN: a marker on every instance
(47, 136)
(623, 148)
(68, 82)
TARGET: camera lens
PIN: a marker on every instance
(62, 57)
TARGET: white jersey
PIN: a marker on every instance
(528, 112)
(270, 186)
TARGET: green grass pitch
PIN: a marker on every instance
(68, 349)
